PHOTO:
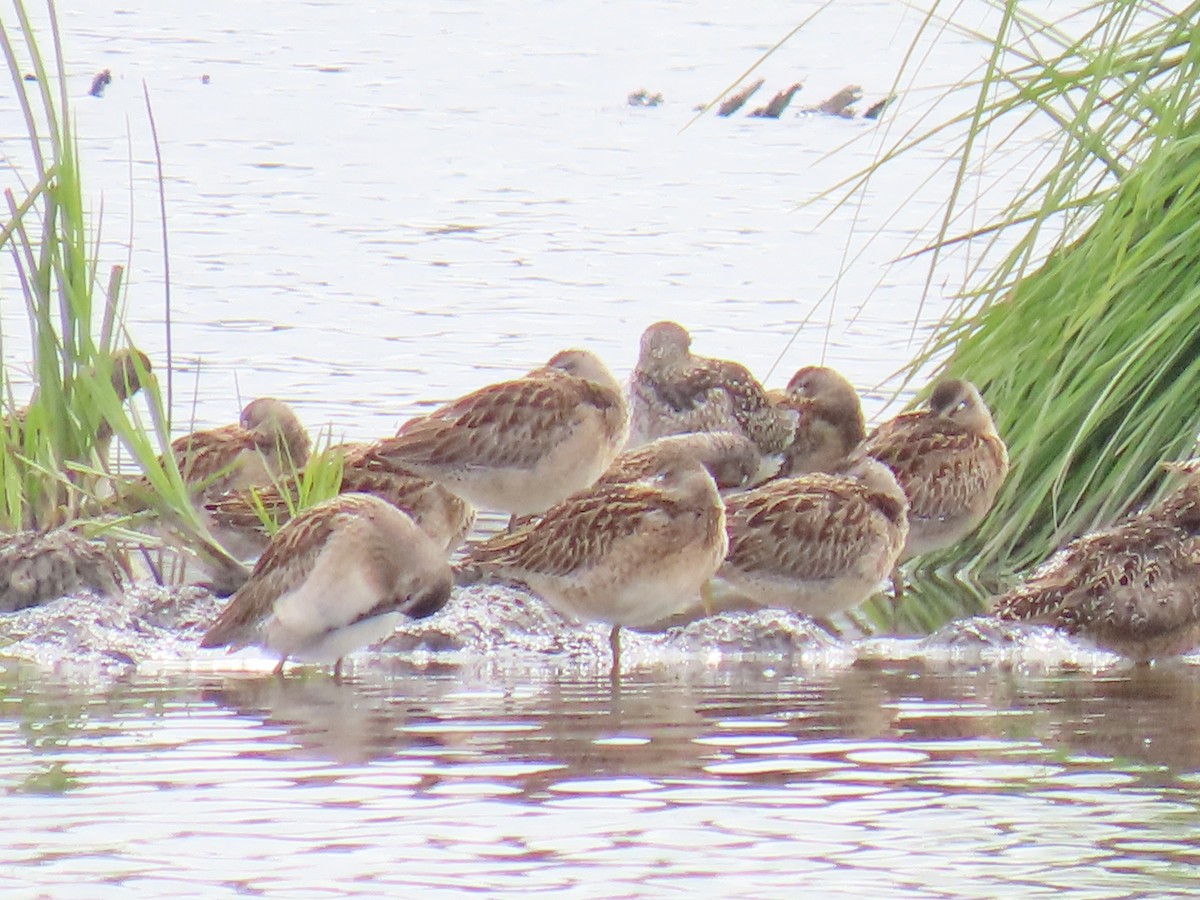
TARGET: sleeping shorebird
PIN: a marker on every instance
(39, 566)
(731, 459)
(1133, 588)
(127, 369)
(950, 462)
(819, 544)
(337, 577)
(520, 446)
(442, 515)
(829, 423)
(629, 554)
(130, 367)
(267, 442)
(674, 392)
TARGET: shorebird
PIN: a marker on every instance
(731, 459)
(774, 109)
(819, 544)
(337, 577)
(445, 517)
(520, 446)
(629, 554)
(950, 462)
(1133, 588)
(267, 442)
(127, 368)
(674, 392)
(37, 567)
(829, 423)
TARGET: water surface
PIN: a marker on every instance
(530, 775)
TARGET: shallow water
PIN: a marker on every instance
(486, 749)
(373, 209)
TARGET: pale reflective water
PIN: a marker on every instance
(373, 208)
(526, 775)
(487, 750)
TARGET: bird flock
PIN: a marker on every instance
(628, 502)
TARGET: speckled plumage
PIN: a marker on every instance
(37, 567)
(819, 544)
(1133, 588)
(731, 459)
(673, 391)
(336, 577)
(267, 442)
(949, 460)
(445, 517)
(829, 424)
(127, 368)
(628, 553)
(520, 446)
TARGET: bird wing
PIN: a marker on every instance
(815, 526)
(578, 532)
(502, 425)
(283, 567)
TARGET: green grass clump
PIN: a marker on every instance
(48, 445)
(1080, 315)
(53, 451)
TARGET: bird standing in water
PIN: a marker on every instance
(338, 576)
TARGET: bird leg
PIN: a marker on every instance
(706, 598)
(278, 670)
(614, 644)
(337, 671)
(897, 596)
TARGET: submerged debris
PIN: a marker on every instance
(736, 101)
(762, 631)
(643, 97)
(778, 104)
(90, 630)
(100, 82)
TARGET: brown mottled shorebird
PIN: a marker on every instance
(1133, 588)
(629, 554)
(829, 424)
(840, 103)
(267, 442)
(520, 446)
(736, 101)
(445, 517)
(37, 567)
(127, 368)
(673, 391)
(130, 367)
(950, 462)
(337, 577)
(731, 459)
(818, 544)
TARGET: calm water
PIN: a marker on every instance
(486, 749)
(373, 208)
(522, 774)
